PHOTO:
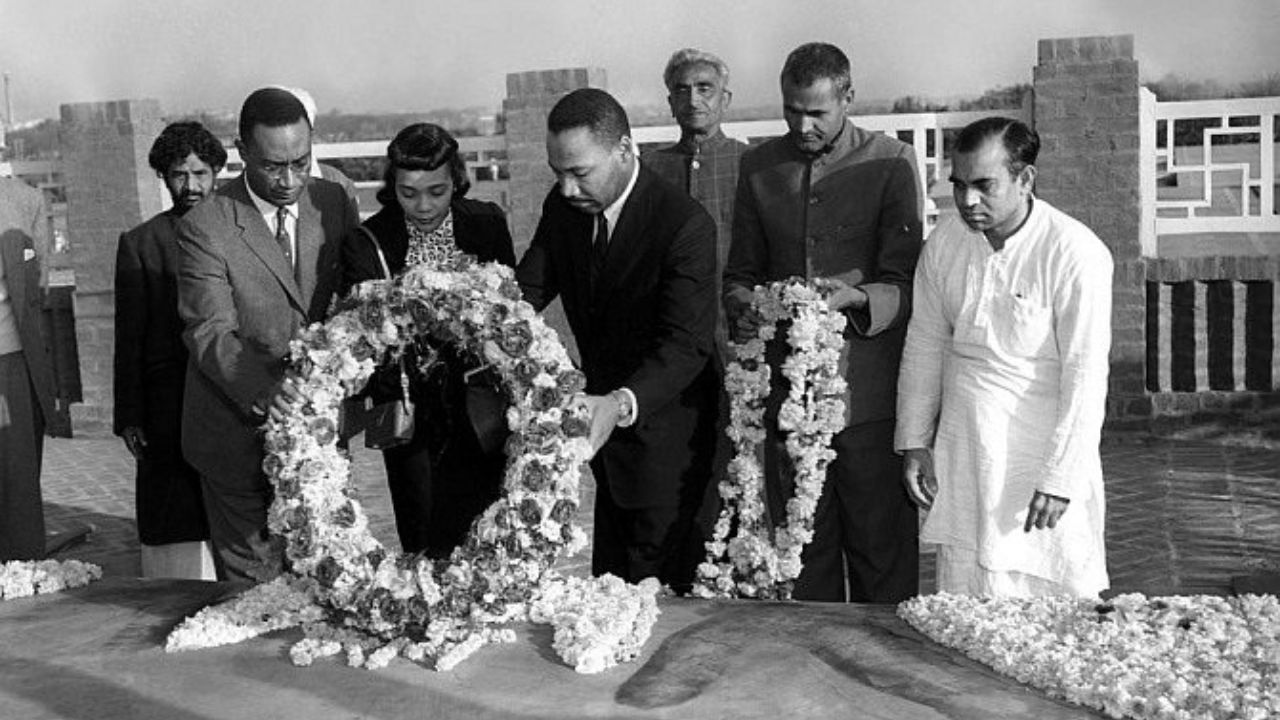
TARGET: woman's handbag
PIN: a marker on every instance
(388, 424)
(486, 408)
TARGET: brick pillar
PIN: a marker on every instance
(530, 96)
(1087, 115)
(110, 188)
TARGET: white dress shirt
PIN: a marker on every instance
(611, 213)
(269, 215)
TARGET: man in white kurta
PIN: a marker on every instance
(1002, 392)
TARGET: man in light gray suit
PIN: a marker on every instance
(26, 370)
(258, 261)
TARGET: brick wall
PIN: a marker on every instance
(110, 188)
(1086, 112)
(530, 97)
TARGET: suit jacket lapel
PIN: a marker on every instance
(624, 239)
(255, 233)
(582, 233)
(310, 238)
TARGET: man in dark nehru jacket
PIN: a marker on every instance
(840, 206)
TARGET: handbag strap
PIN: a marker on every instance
(386, 274)
(382, 259)
(404, 385)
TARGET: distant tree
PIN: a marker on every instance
(916, 104)
(38, 142)
(1176, 87)
(1268, 86)
(1006, 96)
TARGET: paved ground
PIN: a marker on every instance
(1187, 514)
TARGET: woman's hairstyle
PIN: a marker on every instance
(423, 146)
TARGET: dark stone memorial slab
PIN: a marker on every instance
(96, 653)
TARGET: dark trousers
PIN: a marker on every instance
(243, 550)
(21, 451)
(665, 542)
(709, 513)
(865, 526)
(436, 496)
(441, 480)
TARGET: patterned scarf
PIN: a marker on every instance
(436, 249)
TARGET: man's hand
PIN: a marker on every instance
(284, 401)
(841, 295)
(135, 440)
(1044, 511)
(918, 476)
(744, 322)
(604, 413)
(746, 326)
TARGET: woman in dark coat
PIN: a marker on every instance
(446, 474)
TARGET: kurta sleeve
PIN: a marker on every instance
(1082, 329)
(132, 310)
(898, 236)
(929, 334)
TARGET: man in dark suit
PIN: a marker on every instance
(258, 260)
(840, 206)
(151, 361)
(26, 370)
(633, 260)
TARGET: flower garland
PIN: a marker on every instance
(24, 578)
(377, 605)
(1197, 656)
(598, 623)
(762, 561)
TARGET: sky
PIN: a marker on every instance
(417, 55)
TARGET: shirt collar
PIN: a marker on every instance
(612, 212)
(1027, 222)
(265, 206)
(689, 146)
(838, 144)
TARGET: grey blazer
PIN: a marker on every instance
(240, 306)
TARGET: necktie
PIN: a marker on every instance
(282, 236)
(600, 245)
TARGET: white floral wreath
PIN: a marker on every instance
(349, 592)
(762, 561)
(1191, 656)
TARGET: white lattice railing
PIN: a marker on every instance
(1211, 165)
(486, 156)
(925, 132)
